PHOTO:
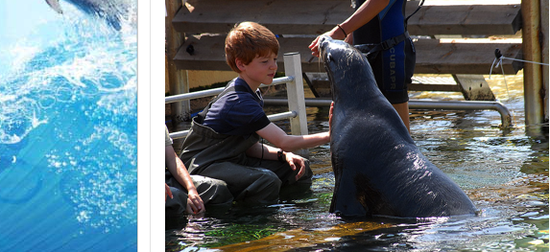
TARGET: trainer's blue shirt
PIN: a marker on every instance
(237, 112)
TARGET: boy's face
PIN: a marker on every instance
(260, 70)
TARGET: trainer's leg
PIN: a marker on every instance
(403, 111)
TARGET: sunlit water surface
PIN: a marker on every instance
(68, 132)
(504, 172)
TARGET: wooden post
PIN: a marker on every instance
(532, 73)
(296, 98)
(177, 78)
(545, 53)
(474, 87)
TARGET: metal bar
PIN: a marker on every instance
(281, 80)
(532, 73)
(544, 29)
(505, 115)
(193, 95)
(215, 91)
(273, 118)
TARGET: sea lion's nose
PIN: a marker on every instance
(322, 41)
(328, 58)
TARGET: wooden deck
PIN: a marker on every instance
(433, 56)
(299, 21)
(317, 17)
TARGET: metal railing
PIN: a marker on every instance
(297, 102)
(505, 115)
(295, 94)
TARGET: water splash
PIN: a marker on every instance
(68, 130)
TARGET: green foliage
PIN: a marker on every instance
(237, 233)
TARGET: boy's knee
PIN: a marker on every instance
(264, 190)
(212, 191)
(268, 181)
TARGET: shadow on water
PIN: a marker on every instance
(504, 172)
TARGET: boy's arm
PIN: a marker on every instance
(279, 138)
(178, 170)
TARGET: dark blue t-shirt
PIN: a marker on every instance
(237, 112)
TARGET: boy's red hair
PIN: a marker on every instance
(246, 41)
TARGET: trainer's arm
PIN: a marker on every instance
(366, 12)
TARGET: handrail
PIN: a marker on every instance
(216, 91)
(505, 115)
(273, 118)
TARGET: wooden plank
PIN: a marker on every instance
(307, 17)
(434, 83)
(464, 58)
(466, 20)
(280, 16)
(432, 56)
(320, 82)
(434, 87)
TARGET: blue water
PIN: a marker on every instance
(68, 130)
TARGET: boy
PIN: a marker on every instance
(223, 142)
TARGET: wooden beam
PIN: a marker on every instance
(466, 20)
(307, 17)
(433, 56)
(177, 78)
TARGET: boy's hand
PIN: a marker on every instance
(330, 117)
(296, 162)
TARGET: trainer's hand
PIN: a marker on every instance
(335, 33)
(314, 47)
(195, 204)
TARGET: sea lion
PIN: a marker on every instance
(378, 169)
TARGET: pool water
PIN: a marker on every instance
(504, 172)
(68, 131)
